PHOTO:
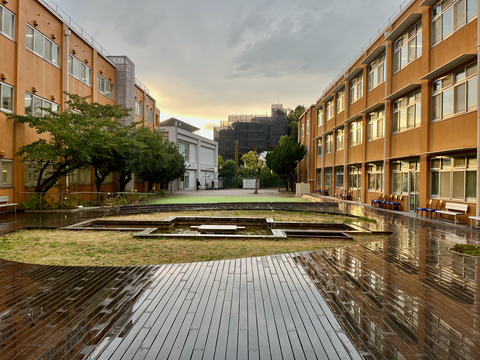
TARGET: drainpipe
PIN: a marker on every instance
(345, 146)
(478, 119)
(65, 68)
(385, 116)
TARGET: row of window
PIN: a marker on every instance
(43, 46)
(139, 110)
(408, 47)
(451, 178)
(7, 23)
(104, 86)
(448, 16)
(79, 70)
(34, 106)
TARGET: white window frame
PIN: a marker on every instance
(303, 130)
(4, 86)
(308, 125)
(329, 110)
(328, 177)
(340, 139)
(339, 174)
(375, 127)
(403, 108)
(439, 11)
(10, 162)
(340, 101)
(450, 84)
(319, 147)
(3, 12)
(73, 63)
(320, 117)
(55, 55)
(102, 85)
(402, 47)
(377, 72)
(355, 133)
(74, 178)
(354, 172)
(375, 172)
(319, 177)
(44, 104)
(329, 144)
(356, 88)
(403, 168)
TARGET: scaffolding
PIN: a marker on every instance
(124, 85)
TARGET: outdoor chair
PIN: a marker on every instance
(378, 201)
(396, 202)
(427, 209)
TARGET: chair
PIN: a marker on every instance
(438, 207)
(427, 209)
(378, 201)
(397, 202)
(389, 201)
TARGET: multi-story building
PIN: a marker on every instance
(201, 155)
(402, 118)
(43, 54)
(253, 132)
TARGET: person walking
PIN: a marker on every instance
(198, 185)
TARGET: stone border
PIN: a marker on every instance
(462, 254)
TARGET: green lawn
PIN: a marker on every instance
(172, 199)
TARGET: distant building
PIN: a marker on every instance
(201, 155)
(253, 132)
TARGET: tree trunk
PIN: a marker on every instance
(150, 186)
(285, 182)
(256, 183)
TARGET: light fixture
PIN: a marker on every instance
(34, 90)
(54, 36)
(5, 1)
(2, 153)
(35, 23)
(74, 51)
(86, 61)
(109, 79)
(101, 72)
(3, 77)
(54, 98)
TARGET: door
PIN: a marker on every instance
(414, 190)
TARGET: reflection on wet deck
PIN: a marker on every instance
(407, 297)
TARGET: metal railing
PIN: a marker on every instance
(75, 27)
(141, 86)
(374, 38)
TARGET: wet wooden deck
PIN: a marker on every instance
(253, 308)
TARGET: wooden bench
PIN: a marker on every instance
(6, 199)
(453, 209)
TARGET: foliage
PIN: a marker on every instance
(227, 170)
(293, 119)
(468, 249)
(67, 139)
(35, 202)
(220, 161)
(253, 164)
(284, 158)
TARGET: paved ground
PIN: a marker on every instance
(407, 297)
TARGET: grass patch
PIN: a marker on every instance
(473, 250)
(175, 199)
(92, 248)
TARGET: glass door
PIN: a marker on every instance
(414, 190)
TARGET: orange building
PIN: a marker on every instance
(44, 53)
(402, 118)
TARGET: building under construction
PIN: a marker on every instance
(253, 132)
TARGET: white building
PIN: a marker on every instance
(201, 155)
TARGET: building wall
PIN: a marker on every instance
(454, 135)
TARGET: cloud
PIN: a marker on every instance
(209, 126)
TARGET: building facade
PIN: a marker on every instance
(253, 132)
(402, 119)
(44, 54)
(201, 155)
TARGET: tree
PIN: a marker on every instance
(68, 138)
(253, 163)
(227, 170)
(284, 158)
(161, 160)
(293, 119)
(220, 161)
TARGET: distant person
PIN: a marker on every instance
(198, 185)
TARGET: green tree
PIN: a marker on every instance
(284, 158)
(293, 119)
(227, 170)
(253, 164)
(69, 138)
(220, 161)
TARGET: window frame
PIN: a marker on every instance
(404, 103)
(339, 173)
(100, 80)
(329, 143)
(374, 68)
(44, 113)
(10, 161)
(4, 10)
(329, 110)
(405, 37)
(320, 117)
(354, 171)
(356, 88)
(355, 127)
(88, 70)
(374, 118)
(2, 109)
(340, 139)
(439, 17)
(375, 170)
(340, 101)
(319, 147)
(45, 38)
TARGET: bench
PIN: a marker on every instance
(476, 218)
(6, 199)
(453, 209)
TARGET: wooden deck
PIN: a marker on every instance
(253, 308)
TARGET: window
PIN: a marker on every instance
(308, 126)
(7, 23)
(319, 177)
(149, 116)
(80, 177)
(104, 86)
(108, 179)
(6, 98)
(400, 176)
(306, 154)
(303, 130)
(450, 15)
(454, 177)
(320, 118)
(355, 177)
(329, 111)
(184, 149)
(376, 72)
(300, 177)
(328, 177)
(356, 133)
(375, 125)
(339, 177)
(455, 93)
(408, 47)
(340, 139)
(329, 144)
(356, 88)
(375, 177)
(79, 70)
(34, 106)
(319, 147)
(407, 112)
(43, 46)
(31, 173)
(340, 101)
(6, 169)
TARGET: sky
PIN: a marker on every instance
(206, 59)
